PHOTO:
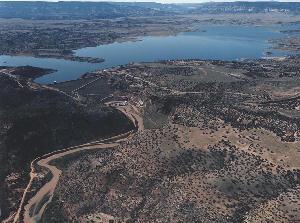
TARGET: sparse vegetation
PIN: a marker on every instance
(213, 151)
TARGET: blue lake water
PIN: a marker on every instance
(210, 42)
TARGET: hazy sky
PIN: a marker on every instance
(161, 1)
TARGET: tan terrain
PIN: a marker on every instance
(212, 147)
(215, 144)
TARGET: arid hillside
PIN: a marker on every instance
(220, 144)
(37, 119)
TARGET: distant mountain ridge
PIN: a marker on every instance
(247, 7)
(106, 10)
(77, 10)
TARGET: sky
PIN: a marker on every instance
(162, 1)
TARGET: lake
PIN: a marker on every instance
(226, 42)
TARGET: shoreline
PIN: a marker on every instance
(71, 57)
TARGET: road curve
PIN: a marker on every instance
(33, 210)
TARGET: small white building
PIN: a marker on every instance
(141, 103)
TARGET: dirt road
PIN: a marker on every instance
(131, 112)
(33, 210)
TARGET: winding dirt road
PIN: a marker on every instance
(32, 211)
